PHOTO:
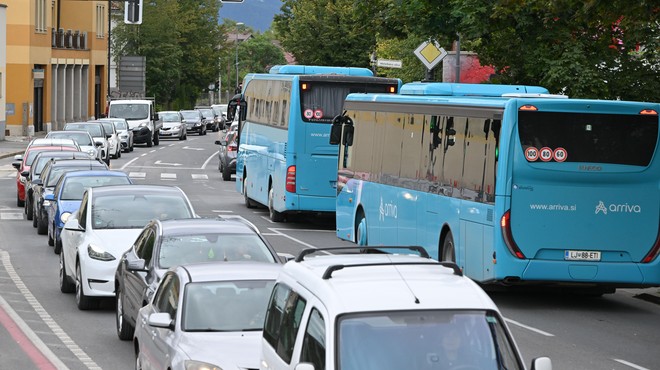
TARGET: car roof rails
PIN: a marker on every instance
(363, 249)
(456, 270)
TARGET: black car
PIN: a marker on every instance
(210, 118)
(227, 155)
(38, 165)
(46, 183)
(164, 244)
(194, 121)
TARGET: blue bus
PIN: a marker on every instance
(284, 160)
(513, 184)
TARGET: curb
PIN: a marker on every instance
(7, 155)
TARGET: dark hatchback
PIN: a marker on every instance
(164, 244)
(227, 155)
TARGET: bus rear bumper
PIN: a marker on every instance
(623, 274)
(309, 203)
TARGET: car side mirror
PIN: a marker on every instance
(161, 320)
(16, 165)
(73, 225)
(37, 182)
(98, 143)
(25, 173)
(286, 257)
(136, 265)
(50, 197)
(217, 142)
(542, 363)
(304, 366)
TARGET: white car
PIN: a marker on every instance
(84, 140)
(205, 316)
(383, 311)
(124, 134)
(97, 131)
(105, 226)
(114, 144)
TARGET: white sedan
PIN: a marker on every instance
(206, 316)
(105, 226)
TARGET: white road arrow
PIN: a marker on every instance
(167, 164)
(189, 148)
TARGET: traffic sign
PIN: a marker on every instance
(545, 154)
(389, 63)
(430, 53)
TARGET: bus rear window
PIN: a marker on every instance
(583, 137)
(323, 101)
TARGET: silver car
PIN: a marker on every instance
(123, 132)
(114, 144)
(84, 140)
(173, 125)
(206, 315)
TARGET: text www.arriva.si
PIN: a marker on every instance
(553, 207)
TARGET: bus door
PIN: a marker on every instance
(585, 188)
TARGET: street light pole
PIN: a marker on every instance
(236, 36)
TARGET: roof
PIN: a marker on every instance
(47, 141)
(136, 190)
(424, 285)
(236, 270)
(90, 173)
(205, 225)
(78, 162)
(62, 154)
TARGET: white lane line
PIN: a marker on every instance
(168, 176)
(276, 231)
(312, 230)
(630, 364)
(539, 331)
(221, 211)
(11, 216)
(209, 159)
(39, 309)
(137, 175)
(199, 176)
(268, 219)
(128, 163)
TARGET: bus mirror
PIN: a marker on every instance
(243, 111)
(335, 131)
(348, 135)
(450, 137)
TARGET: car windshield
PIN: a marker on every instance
(81, 138)
(439, 339)
(93, 129)
(190, 115)
(74, 187)
(181, 249)
(169, 117)
(32, 155)
(207, 113)
(109, 127)
(127, 211)
(226, 305)
(220, 110)
(129, 111)
(120, 125)
(57, 171)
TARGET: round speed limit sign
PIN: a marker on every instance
(545, 154)
(531, 154)
(560, 154)
(309, 113)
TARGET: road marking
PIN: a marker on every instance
(276, 230)
(128, 163)
(539, 331)
(312, 230)
(11, 216)
(199, 176)
(209, 159)
(629, 364)
(221, 211)
(137, 175)
(189, 148)
(39, 309)
(168, 176)
(168, 164)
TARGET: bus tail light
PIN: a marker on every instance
(291, 179)
(391, 89)
(304, 86)
(507, 234)
(650, 112)
(654, 251)
(528, 107)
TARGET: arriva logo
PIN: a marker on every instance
(617, 208)
(386, 210)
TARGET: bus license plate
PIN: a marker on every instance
(581, 255)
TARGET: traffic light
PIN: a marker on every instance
(133, 12)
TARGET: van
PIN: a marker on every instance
(357, 311)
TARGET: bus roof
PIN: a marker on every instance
(307, 70)
(458, 89)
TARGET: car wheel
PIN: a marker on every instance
(150, 142)
(118, 153)
(19, 202)
(361, 231)
(29, 211)
(124, 329)
(185, 136)
(182, 137)
(248, 202)
(272, 213)
(35, 217)
(132, 146)
(226, 173)
(138, 360)
(51, 241)
(65, 285)
(82, 301)
(448, 250)
(42, 225)
(58, 245)
(156, 138)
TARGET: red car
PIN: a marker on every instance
(23, 162)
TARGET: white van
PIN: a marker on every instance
(364, 311)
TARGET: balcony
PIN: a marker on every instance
(69, 39)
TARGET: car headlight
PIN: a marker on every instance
(97, 253)
(199, 365)
(124, 136)
(198, 123)
(92, 152)
(46, 203)
(65, 216)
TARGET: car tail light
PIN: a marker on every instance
(291, 179)
(505, 223)
(654, 251)
(231, 148)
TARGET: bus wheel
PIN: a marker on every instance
(274, 215)
(361, 231)
(448, 250)
(248, 202)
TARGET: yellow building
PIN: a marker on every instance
(56, 63)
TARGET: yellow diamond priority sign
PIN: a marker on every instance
(430, 53)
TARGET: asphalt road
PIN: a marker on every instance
(617, 331)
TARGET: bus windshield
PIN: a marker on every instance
(586, 137)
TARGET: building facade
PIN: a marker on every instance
(3, 68)
(56, 67)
